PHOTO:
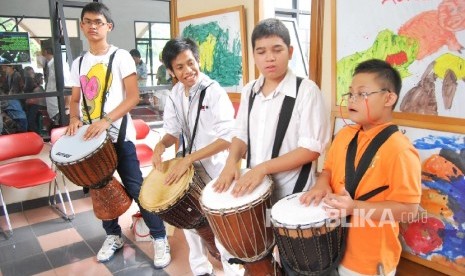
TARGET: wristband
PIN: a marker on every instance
(108, 119)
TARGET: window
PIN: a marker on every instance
(38, 29)
(297, 14)
(151, 37)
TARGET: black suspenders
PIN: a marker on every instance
(283, 123)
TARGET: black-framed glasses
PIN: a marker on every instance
(361, 95)
(97, 23)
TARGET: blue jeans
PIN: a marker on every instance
(129, 171)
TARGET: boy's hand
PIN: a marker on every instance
(177, 171)
(156, 157)
(315, 195)
(73, 126)
(230, 172)
(248, 182)
(340, 205)
(96, 128)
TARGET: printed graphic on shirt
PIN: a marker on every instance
(92, 86)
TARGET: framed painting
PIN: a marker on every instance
(423, 40)
(221, 36)
(436, 238)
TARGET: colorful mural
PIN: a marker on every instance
(422, 39)
(222, 45)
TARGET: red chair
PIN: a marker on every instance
(144, 152)
(29, 171)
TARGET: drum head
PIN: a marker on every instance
(288, 212)
(155, 196)
(68, 149)
(225, 200)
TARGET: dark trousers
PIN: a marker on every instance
(131, 176)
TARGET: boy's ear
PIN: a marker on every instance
(391, 99)
(171, 73)
(291, 51)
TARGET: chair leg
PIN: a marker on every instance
(53, 203)
(8, 233)
(67, 196)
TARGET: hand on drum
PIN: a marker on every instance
(314, 195)
(248, 182)
(339, 205)
(96, 128)
(177, 171)
(156, 157)
(73, 126)
(229, 173)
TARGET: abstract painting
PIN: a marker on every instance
(222, 42)
(424, 40)
(438, 234)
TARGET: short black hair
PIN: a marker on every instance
(135, 53)
(98, 8)
(271, 27)
(176, 46)
(385, 73)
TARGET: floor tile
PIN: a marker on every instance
(127, 257)
(85, 217)
(19, 234)
(69, 254)
(91, 230)
(16, 219)
(143, 270)
(59, 239)
(19, 250)
(88, 266)
(26, 266)
(50, 226)
(82, 204)
(40, 214)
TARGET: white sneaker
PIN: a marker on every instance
(109, 247)
(161, 248)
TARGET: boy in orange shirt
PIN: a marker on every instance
(377, 191)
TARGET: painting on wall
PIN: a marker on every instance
(221, 37)
(437, 236)
(423, 40)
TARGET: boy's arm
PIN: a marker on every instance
(74, 117)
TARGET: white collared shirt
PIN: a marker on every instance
(216, 119)
(308, 128)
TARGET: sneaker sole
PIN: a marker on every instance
(111, 257)
(163, 266)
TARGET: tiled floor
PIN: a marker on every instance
(45, 244)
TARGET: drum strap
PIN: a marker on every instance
(283, 123)
(353, 176)
(105, 87)
(201, 98)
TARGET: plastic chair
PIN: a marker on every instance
(55, 134)
(144, 152)
(29, 171)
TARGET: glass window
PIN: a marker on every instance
(283, 4)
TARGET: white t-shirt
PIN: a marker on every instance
(51, 86)
(91, 78)
(216, 119)
(308, 128)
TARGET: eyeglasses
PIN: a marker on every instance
(97, 23)
(355, 97)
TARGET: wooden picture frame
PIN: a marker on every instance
(221, 36)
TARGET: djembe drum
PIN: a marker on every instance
(91, 163)
(178, 203)
(240, 225)
(309, 242)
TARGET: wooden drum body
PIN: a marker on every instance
(308, 241)
(240, 225)
(88, 163)
(178, 204)
(111, 201)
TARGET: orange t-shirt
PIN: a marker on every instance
(396, 164)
